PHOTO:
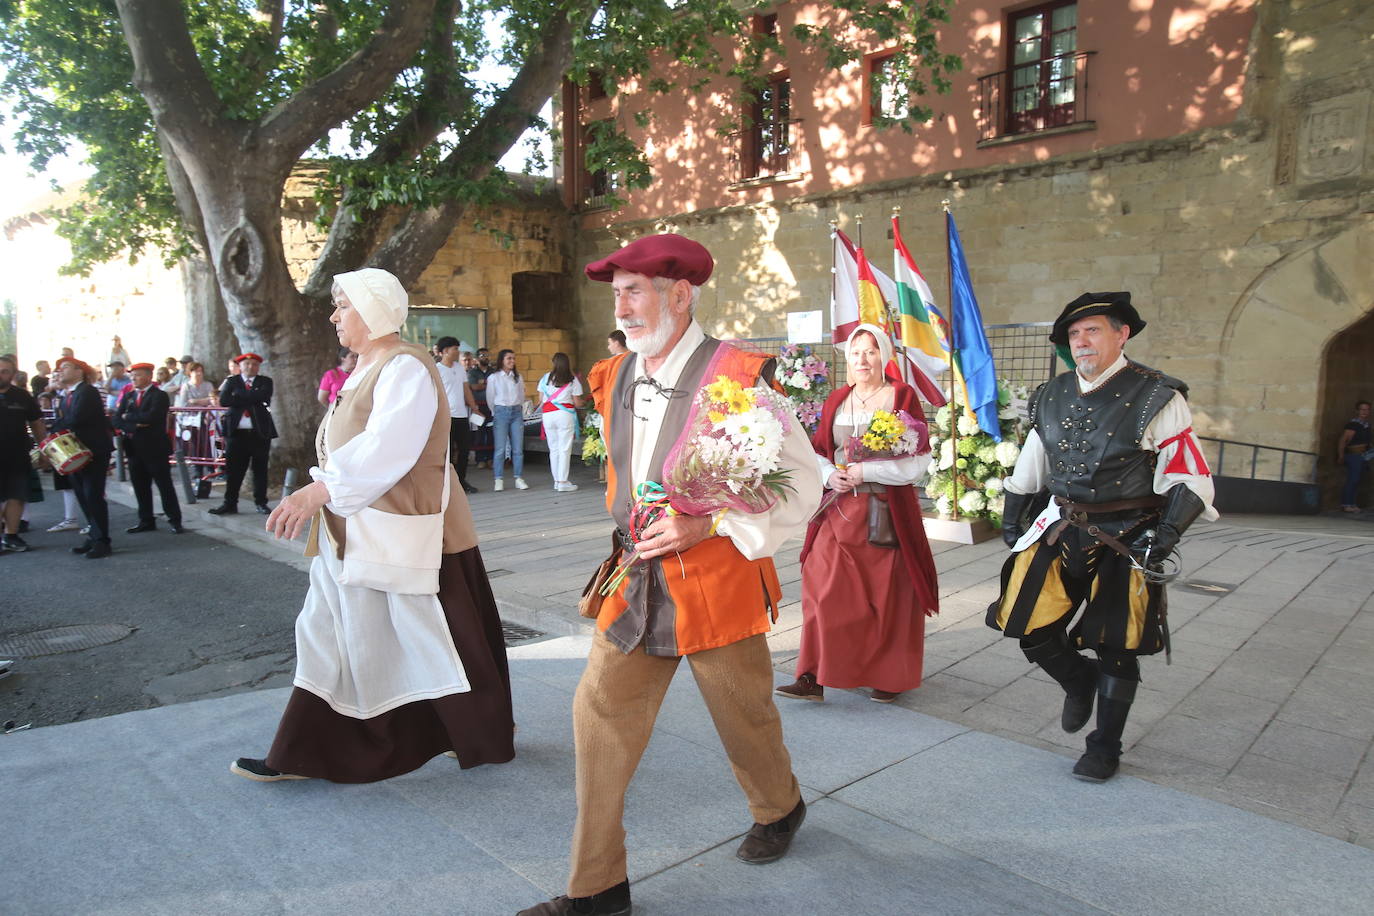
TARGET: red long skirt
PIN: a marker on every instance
(862, 625)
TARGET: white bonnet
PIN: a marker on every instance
(379, 298)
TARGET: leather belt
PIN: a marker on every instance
(1077, 514)
(870, 488)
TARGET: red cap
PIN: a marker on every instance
(84, 367)
(149, 366)
(242, 356)
(668, 255)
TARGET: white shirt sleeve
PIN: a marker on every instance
(760, 535)
(1032, 471)
(370, 464)
(1172, 420)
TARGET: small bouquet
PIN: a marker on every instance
(729, 456)
(805, 379)
(593, 445)
(890, 435)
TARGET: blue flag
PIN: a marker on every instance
(971, 350)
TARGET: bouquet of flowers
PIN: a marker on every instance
(593, 444)
(970, 474)
(805, 379)
(729, 456)
(889, 435)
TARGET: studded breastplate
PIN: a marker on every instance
(1092, 441)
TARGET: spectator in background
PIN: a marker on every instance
(20, 377)
(233, 368)
(163, 376)
(39, 381)
(1352, 448)
(117, 352)
(477, 384)
(196, 392)
(116, 383)
(460, 403)
(81, 414)
(251, 431)
(173, 386)
(560, 394)
(333, 380)
(19, 414)
(506, 397)
(615, 343)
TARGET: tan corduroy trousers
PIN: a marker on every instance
(617, 701)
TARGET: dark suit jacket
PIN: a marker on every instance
(238, 397)
(144, 423)
(82, 412)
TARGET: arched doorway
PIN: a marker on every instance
(1347, 376)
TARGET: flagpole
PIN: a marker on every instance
(953, 381)
(894, 316)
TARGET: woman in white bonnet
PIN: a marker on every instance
(400, 656)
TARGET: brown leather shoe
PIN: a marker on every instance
(769, 842)
(804, 688)
(883, 696)
(613, 901)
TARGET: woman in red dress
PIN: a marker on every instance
(864, 605)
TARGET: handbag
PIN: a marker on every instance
(589, 605)
(881, 532)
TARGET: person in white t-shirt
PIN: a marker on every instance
(460, 403)
(560, 394)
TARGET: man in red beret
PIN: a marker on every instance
(249, 431)
(82, 413)
(141, 418)
(706, 589)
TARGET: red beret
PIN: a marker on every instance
(84, 367)
(149, 366)
(242, 356)
(668, 255)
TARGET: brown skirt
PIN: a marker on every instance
(314, 740)
(862, 623)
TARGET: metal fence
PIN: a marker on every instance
(1252, 461)
(1022, 353)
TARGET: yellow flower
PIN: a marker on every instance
(722, 390)
(716, 416)
(740, 402)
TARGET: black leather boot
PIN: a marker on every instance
(1076, 674)
(1103, 754)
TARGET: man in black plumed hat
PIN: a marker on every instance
(1107, 482)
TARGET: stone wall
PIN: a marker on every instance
(1246, 247)
(472, 270)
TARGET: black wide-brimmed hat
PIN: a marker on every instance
(1117, 305)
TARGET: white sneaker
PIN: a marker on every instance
(520, 484)
(565, 487)
(67, 524)
(499, 485)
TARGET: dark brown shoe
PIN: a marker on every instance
(613, 901)
(883, 696)
(769, 842)
(804, 688)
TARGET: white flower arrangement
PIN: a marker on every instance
(970, 470)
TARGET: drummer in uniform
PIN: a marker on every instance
(82, 413)
(19, 414)
(141, 419)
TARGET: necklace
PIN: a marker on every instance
(863, 401)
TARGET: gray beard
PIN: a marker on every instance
(653, 344)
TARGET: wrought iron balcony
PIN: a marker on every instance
(1034, 97)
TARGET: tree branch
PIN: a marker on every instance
(292, 126)
(168, 73)
(414, 242)
(272, 15)
(354, 230)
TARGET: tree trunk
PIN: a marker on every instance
(209, 336)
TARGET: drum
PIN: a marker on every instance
(66, 453)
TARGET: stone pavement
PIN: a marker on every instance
(1267, 704)
(956, 800)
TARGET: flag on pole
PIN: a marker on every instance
(924, 332)
(862, 289)
(972, 355)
